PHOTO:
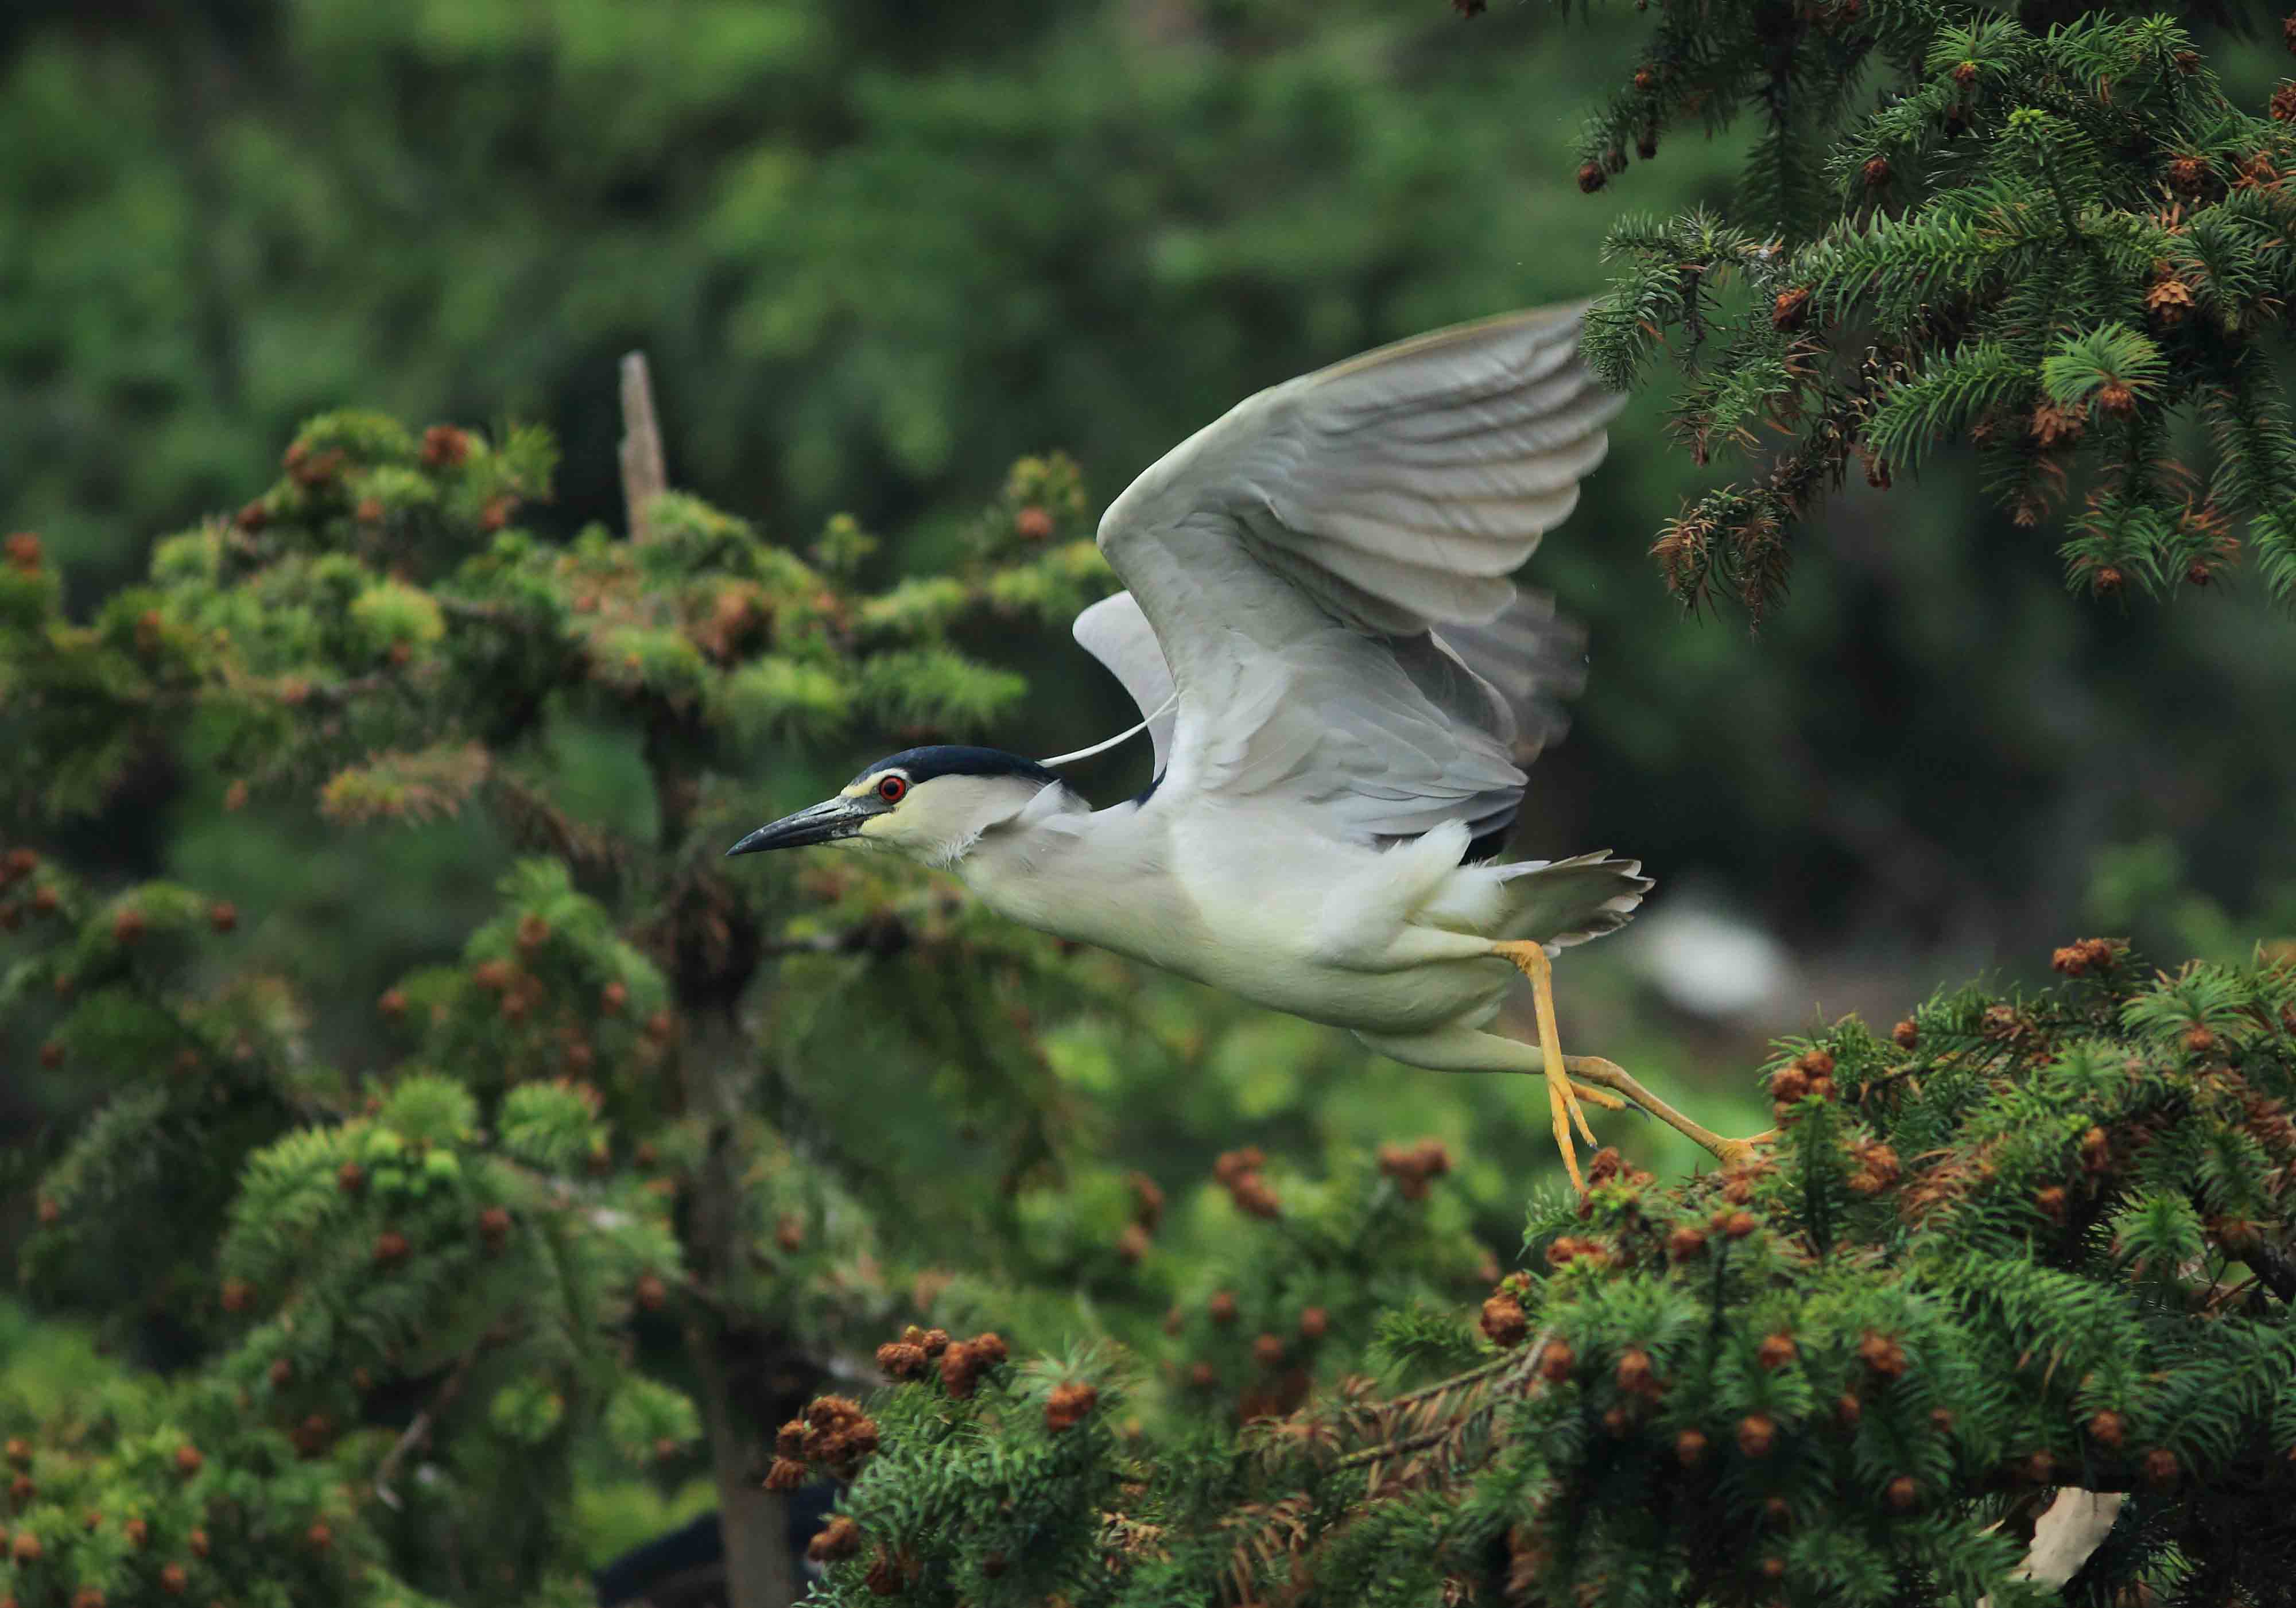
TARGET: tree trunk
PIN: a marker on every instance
(760, 1572)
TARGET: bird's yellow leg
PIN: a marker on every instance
(1562, 1099)
(1609, 1075)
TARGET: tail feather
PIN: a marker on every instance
(1559, 903)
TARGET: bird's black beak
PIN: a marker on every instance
(824, 823)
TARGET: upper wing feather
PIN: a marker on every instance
(1296, 559)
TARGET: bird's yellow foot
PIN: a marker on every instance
(1609, 1075)
(1561, 1095)
(1571, 1078)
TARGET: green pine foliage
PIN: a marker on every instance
(549, 1230)
(2021, 1241)
(2065, 243)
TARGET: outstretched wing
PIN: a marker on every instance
(1301, 560)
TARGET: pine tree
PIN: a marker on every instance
(569, 1206)
(2052, 235)
(572, 1207)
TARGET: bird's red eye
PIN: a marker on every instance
(891, 788)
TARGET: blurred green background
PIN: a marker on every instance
(877, 249)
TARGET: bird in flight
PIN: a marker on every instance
(1341, 683)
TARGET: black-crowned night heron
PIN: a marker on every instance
(1340, 680)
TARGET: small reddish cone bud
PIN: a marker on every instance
(1504, 1322)
(1068, 1406)
(21, 1490)
(1776, 1351)
(1757, 1433)
(533, 932)
(350, 1177)
(390, 1248)
(2109, 579)
(223, 916)
(198, 1542)
(1738, 1225)
(137, 1532)
(2200, 1040)
(1635, 1372)
(1132, 1243)
(27, 1549)
(1789, 309)
(1905, 1035)
(1267, 1350)
(2107, 1428)
(1904, 1492)
(1684, 1243)
(238, 1295)
(1966, 74)
(283, 1374)
(1555, 1363)
(2039, 1469)
(901, 1360)
(1882, 1354)
(2116, 398)
(789, 1234)
(493, 1223)
(1848, 1409)
(1203, 1376)
(1877, 173)
(1689, 1447)
(87, 1596)
(613, 998)
(1789, 1084)
(1591, 178)
(2051, 1202)
(45, 901)
(320, 1536)
(660, 1027)
(2160, 1466)
(393, 1004)
(886, 1576)
(23, 550)
(1313, 1323)
(786, 1474)
(1772, 1568)
(188, 1460)
(651, 1293)
(2283, 105)
(1221, 1306)
(789, 1441)
(18, 1451)
(1032, 523)
(840, 1537)
(52, 1056)
(173, 1578)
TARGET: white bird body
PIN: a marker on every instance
(1340, 683)
(1358, 939)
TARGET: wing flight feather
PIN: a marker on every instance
(1322, 575)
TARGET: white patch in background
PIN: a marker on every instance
(1707, 961)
